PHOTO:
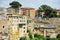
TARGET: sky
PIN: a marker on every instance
(32, 3)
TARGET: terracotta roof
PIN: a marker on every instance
(44, 22)
(26, 8)
(58, 10)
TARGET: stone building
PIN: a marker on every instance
(18, 26)
(30, 12)
(4, 29)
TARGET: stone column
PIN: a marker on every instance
(44, 32)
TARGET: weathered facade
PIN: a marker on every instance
(30, 12)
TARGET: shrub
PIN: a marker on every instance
(53, 39)
(38, 37)
(23, 38)
(58, 36)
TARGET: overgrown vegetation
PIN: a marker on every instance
(23, 38)
(39, 37)
(48, 11)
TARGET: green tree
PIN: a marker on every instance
(49, 11)
(53, 13)
(15, 5)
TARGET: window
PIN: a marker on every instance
(3, 26)
(22, 20)
(21, 25)
(24, 27)
(29, 21)
(24, 30)
(24, 13)
(23, 17)
(15, 17)
(33, 29)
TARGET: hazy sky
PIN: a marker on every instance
(32, 3)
